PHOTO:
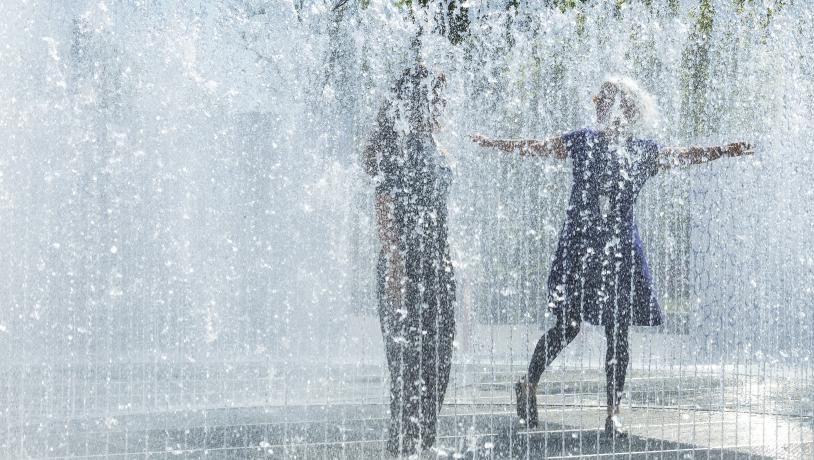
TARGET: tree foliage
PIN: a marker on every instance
(696, 60)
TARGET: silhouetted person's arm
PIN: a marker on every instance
(676, 156)
(551, 147)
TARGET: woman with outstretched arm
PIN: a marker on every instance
(600, 273)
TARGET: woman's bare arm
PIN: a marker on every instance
(672, 156)
(389, 237)
(377, 141)
(368, 159)
(551, 147)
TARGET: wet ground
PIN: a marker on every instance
(666, 418)
(357, 432)
(677, 405)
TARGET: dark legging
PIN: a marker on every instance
(418, 346)
(568, 324)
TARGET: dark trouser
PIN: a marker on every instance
(418, 345)
(566, 329)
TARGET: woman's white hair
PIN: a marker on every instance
(645, 117)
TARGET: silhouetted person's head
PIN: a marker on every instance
(417, 99)
(623, 107)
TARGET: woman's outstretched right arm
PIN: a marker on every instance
(551, 147)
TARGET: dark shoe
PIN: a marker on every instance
(526, 403)
(614, 429)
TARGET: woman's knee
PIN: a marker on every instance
(570, 325)
(572, 331)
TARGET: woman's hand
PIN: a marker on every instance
(737, 149)
(502, 144)
(482, 140)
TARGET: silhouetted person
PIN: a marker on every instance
(415, 277)
(600, 273)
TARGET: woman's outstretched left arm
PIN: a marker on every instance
(674, 156)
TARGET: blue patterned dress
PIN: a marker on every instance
(600, 266)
